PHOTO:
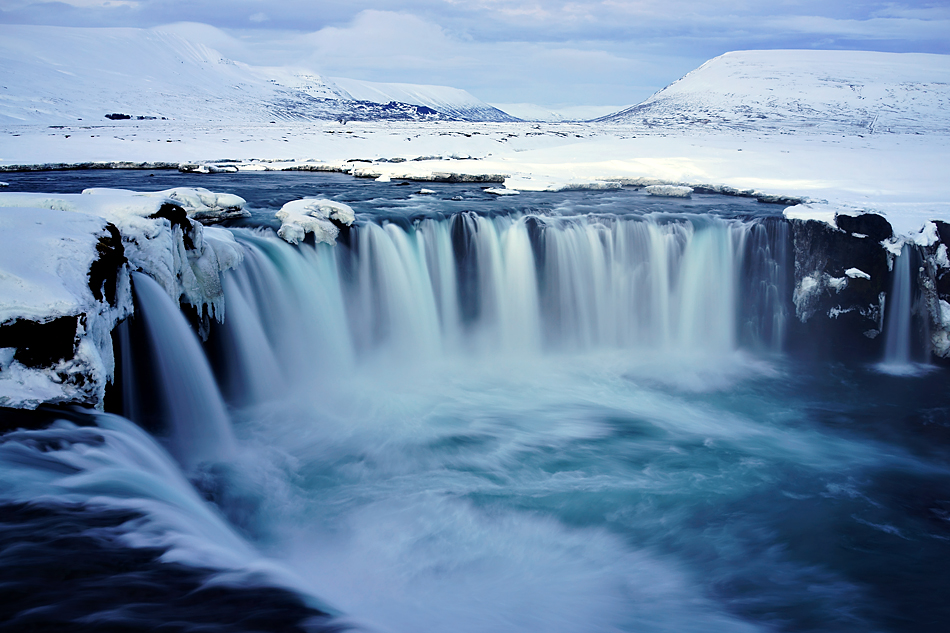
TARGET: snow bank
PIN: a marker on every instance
(313, 215)
(199, 203)
(158, 239)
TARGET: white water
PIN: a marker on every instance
(600, 283)
(199, 427)
(899, 359)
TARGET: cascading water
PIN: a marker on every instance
(899, 357)
(508, 423)
(523, 284)
(897, 333)
(189, 396)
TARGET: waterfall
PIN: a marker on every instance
(898, 332)
(505, 285)
(499, 287)
(185, 388)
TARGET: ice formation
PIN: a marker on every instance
(59, 306)
(54, 274)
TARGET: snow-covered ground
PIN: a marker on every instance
(902, 176)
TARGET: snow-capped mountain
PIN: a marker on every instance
(800, 90)
(58, 75)
(452, 102)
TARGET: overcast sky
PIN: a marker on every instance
(550, 52)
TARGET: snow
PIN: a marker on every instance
(58, 75)
(837, 283)
(45, 258)
(857, 273)
(796, 90)
(818, 213)
(152, 244)
(501, 192)
(199, 203)
(534, 112)
(451, 101)
(895, 167)
(313, 215)
(941, 257)
(669, 191)
(927, 236)
(48, 243)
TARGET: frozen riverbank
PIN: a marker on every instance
(899, 176)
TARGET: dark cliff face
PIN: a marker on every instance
(839, 315)
(844, 283)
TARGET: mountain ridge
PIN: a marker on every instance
(61, 74)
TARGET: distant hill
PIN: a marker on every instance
(853, 92)
(533, 112)
(58, 75)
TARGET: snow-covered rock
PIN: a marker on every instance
(199, 203)
(669, 191)
(158, 239)
(64, 284)
(65, 263)
(313, 215)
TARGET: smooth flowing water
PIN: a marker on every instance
(542, 419)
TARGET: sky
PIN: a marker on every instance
(551, 52)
